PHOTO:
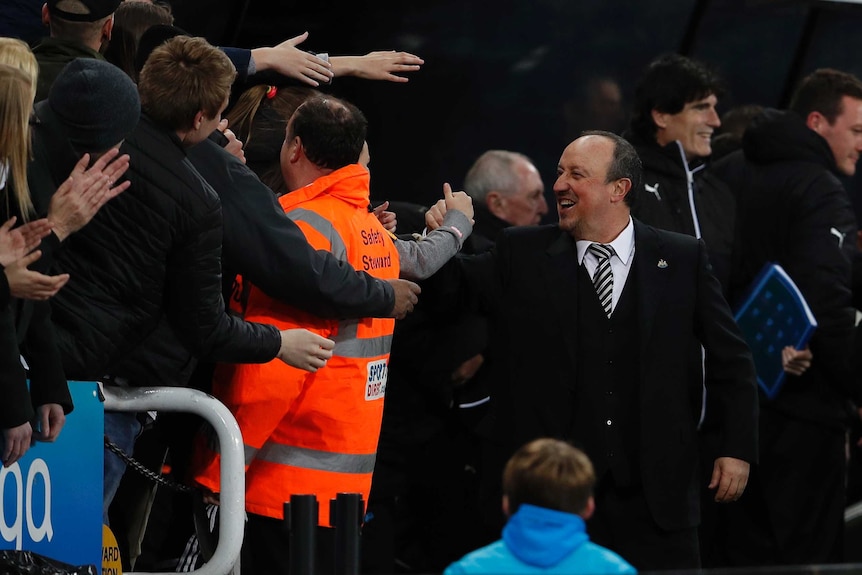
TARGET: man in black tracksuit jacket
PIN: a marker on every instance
(792, 209)
(672, 123)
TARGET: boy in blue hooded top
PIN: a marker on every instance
(547, 486)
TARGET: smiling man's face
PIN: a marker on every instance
(584, 197)
(693, 127)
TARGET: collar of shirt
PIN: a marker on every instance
(623, 246)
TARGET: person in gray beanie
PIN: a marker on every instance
(96, 103)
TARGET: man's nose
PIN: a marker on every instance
(713, 121)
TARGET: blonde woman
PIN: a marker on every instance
(28, 322)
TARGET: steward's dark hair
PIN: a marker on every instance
(332, 131)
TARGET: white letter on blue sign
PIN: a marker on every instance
(15, 531)
(39, 467)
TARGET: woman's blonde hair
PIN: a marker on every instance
(16, 103)
(16, 53)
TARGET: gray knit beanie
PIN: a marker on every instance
(96, 102)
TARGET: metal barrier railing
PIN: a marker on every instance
(232, 467)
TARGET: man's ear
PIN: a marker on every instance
(294, 150)
(589, 509)
(46, 15)
(108, 28)
(817, 122)
(659, 118)
(506, 505)
(198, 121)
(496, 203)
(621, 189)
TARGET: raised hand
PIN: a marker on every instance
(383, 65)
(234, 144)
(458, 201)
(18, 242)
(290, 61)
(388, 220)
(86, 190)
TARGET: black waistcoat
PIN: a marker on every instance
(606, 421)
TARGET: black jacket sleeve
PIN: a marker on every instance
(15, 407)
(39, 348)
(263, 245)
(194, 303)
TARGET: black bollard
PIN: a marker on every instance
(300, 516)
(345, 514)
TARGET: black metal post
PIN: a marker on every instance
(345, 514)
(300, 516)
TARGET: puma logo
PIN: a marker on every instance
(653, 190)
(838, 235)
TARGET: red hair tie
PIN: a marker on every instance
(271, 92)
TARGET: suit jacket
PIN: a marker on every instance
(528, 287)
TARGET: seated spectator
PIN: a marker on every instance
(547, 497)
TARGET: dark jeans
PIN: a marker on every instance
(123, 429)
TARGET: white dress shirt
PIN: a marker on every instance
(621, 261)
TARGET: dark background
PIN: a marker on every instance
(502, 74)
(517, 74)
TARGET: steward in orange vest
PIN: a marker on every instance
(314, 432)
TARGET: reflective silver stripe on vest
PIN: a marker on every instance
(324, 227)
(348, 345)
(317, 460)
(250, 453)
(346, 342)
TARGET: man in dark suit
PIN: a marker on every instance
(615, 367)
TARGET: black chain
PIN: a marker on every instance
(144, 470)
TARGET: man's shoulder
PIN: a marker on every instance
(155, 154)
(159, 167)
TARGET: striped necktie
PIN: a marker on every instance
(603, 279)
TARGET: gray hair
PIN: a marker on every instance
(625, 163)
(493, 171)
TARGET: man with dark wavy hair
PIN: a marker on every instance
(673, 121)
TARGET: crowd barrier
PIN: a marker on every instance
(225, 559)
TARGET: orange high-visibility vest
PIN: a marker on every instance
(306, 432)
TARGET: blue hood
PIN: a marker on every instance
(543, 537)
